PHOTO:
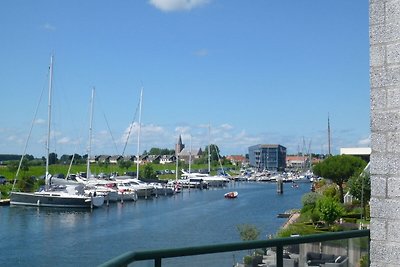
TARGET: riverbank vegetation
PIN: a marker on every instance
(326, 208)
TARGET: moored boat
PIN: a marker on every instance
(62, 196)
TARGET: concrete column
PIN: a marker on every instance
(385, 132)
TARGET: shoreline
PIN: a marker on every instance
(292, 219)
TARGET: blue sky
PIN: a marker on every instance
(257, 72)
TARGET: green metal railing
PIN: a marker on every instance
(157, 255)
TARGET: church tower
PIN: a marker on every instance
(179, 146)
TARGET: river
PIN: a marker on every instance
(63, 237)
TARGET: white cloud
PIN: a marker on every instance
(177, 5)
(64, 140)
(226, 126)
(365, 141)
(201, 53)
(182, 129)
(40, 121)
(49, 27)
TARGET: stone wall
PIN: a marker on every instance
(385, 132)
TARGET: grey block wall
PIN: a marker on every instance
(385, 132)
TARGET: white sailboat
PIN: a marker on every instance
(128, 183)
(59, 196)
(205, 178)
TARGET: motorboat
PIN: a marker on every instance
(142, 189)
(232, 194)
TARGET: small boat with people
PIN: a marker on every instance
(232, 194)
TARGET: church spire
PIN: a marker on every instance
(179, 146)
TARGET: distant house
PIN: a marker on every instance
(115, 159)
(129, 158)
(296, 161)
(164, 159)
(186, 154)
(149, 158)
(94, 159)
(103, 159)
(237, 160)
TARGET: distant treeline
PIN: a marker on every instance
(6, 157)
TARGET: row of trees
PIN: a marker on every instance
(81, 159)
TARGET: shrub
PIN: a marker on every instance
(248, 232)
(329, 210)
(309, 201)
(332, 192)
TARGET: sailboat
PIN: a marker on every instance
(58, 196)
(209, 180)
(126, 182)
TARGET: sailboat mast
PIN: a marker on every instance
(329, 137)
(90, 136)
(209, 151)
(190, 155)
(49, 117)
(138, 137)
(177, 164)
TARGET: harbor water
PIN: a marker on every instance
(62, 237)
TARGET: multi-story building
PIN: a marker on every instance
(268, 157)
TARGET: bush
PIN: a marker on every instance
(332, 192)
(309, 201)
(248, 232)
(329, 210)
(247, 259)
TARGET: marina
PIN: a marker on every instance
(39, 236)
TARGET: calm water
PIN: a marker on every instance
(48, 237)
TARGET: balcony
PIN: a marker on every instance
(336, 249)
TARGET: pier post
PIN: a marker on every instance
(279, 186)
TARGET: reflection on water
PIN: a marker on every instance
(65, 237)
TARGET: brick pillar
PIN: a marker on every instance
(385, 132)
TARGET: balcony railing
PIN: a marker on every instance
(326, 244)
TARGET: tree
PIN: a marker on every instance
(29, 157)
(339, 169)
(65, 159)
(125, 164)
(14, 164)
(248, 232)
(309, 200)
(148, 172)
(159, 151)
(26, 184)
(360, 187)
(52, 158)
(329, 210)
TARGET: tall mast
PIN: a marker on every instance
(190, 155)
(209, 151)
(90, 136)
(138, 137)
(329, 137)
(177, 159)
(49, 119)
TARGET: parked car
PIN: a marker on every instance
(3, 180)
